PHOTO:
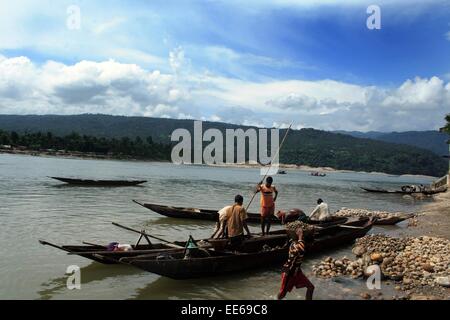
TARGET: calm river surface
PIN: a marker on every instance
(33, 206)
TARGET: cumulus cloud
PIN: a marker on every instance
(418, 93)
(416, 104)
(128, 89)
(87, 86)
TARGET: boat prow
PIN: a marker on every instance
(394, 219)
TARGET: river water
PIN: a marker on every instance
(33, 206)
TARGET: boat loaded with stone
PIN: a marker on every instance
(217, 262)
(382, 217)
(406, 191)
(213, 215)
(104, 254)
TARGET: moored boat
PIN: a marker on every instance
(393, 219)
(213, 215)
(221, 262)
(101, 253)
(195, 213)
(405, 192)
(90, 182)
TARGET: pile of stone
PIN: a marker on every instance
(416, 262)
(348, 212)
(291, 227)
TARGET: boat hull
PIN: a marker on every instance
(424, 192)
(196, 214)
(213, 215)
(229, 262)
(88, 182)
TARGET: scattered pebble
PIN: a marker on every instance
(413, 263)
(365, 296)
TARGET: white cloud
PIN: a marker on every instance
(176, 59)
(107, 87)
(136, 56)
(223, 54)
(128, 89)
(418, 93)
(215, 118)
(108, 25)
(447, 35)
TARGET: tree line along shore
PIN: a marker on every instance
(313, 153)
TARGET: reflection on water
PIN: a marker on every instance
(90, 273)
(33, 206)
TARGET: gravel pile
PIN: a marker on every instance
(413, 262)
(348, 212)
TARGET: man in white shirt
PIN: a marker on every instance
(220, 225)
(320, 213)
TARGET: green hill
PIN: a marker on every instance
(307, 146)
(434, 141)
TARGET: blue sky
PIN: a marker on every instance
(256, 62)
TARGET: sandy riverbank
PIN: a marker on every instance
(75, 155)
(435, 220)
(325, 170)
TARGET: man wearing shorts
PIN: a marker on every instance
(267, 203)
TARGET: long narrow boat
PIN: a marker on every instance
(425, 192)
(99, 253)
(212, 215)
(195, 213)
(218, 263)
(394, 219)
(90, 182)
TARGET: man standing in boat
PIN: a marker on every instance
(236, 222)
(292, 275)
(267, 203)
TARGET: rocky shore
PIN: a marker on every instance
(419, 266)
(415, 263)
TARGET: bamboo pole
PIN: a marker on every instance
(145, 234)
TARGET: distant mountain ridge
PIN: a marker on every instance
(434, 141)
(310, 147)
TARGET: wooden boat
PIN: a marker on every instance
(89, 182)
(99, 253)
(218, 263)
(425, 192)
(393, 219)
(195, 213)
(318, 174)
(213, 215)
